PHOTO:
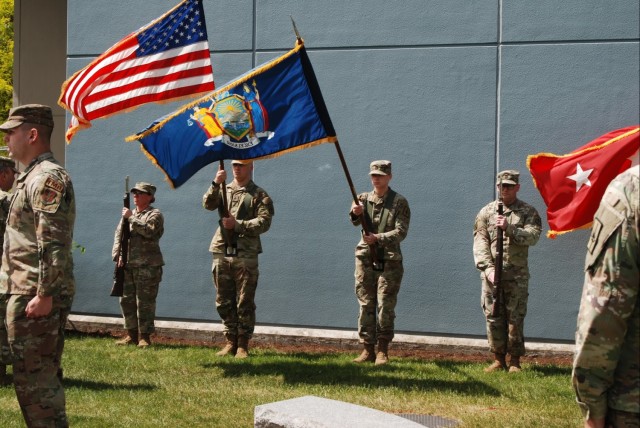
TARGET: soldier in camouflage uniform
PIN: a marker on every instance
(522, 226)
(377, 290)
(7, 177)
(606, 373)
(143, 272)
(236, 277)
(36, 279)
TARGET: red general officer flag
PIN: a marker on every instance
(165, 60)
(573, 184)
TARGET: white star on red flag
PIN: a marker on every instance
(581, 177)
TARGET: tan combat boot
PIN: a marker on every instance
(499, 364)
(514, 365)
(130, 339)
(368, 354)
(243, 347)
(230, 347)
(382, 357)
(145, 340)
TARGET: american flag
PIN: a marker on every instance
(166, 59)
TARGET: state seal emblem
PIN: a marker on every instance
(239, 121)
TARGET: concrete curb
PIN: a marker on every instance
(273, 335)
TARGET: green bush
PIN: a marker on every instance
(6, 57)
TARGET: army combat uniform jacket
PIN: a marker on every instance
(390, 230)
(253, 209)
(522, 231)
(606, 373)
(147, 227)
(39, 232)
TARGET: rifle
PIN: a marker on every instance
(377, 262)
(125, 233)
(230, 249)
(497, 276)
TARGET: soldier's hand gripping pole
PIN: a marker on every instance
(377, 262)
(497, 276)
(230, 247)
(123, 256)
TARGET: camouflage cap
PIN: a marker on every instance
(509, 176)
(30, 113)
(6, 162)
(380, 167)
(241, 162)
(145, 188)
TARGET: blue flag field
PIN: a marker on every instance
(275, 108)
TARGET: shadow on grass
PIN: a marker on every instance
(551, 370)
(302, 368)
(101, 386)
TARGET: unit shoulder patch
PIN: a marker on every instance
(48, 196)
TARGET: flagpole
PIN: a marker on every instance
(295, 29)
(223, 187)
(346, 172)
(365, 221)
(229, 249)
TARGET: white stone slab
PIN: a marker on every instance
(315, 412)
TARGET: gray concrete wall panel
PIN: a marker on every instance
(423, 84)
(103, 23)
(558, 97)
(336, 23)
(412, 123)
(544, 20)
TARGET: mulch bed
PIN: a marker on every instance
(427, 353)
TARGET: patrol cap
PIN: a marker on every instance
(241, 162)
(6, 162)
(29, 113)
(380, 167)
(509, 176)
(145, 188)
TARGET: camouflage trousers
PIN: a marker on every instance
(505, 331)
(619, 419)
(5, 351)
(236, 280)
(138, 301)
(377, 294)
(37, 345)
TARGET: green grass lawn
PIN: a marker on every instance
(188, 386)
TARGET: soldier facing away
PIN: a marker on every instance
(143, 271)
(36, 279)
(606, 372)
(235, 247)
(521, 227)
(377, 288)
(7, 177)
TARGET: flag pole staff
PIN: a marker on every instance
(367, 227)
(223, 188)
(346, 173)
(295, 29)
(229, 249)
(377, 263)
(337, 144)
